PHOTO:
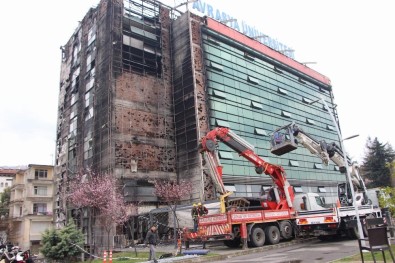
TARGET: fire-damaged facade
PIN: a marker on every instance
(141, 83)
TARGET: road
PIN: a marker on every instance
(311, 252)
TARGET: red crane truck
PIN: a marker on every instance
(239, 224)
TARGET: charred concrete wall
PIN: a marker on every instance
(202, 113)
(75, 122)
(107, 31)
(143, 133)
(190, 100)
(115, 101)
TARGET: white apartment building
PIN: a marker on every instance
(6, 177)
(31, 205)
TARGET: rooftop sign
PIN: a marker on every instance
(242, 27)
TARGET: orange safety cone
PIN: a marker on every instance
(110, 257)
(104, 256)
(179, 245)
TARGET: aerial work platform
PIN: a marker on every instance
(282, 141)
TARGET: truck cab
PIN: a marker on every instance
(309, 202)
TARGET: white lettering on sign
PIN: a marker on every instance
(251, 31)
(276, 214)
(212, 219)
(246, 216)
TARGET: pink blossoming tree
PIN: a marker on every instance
(102, 194)
(172, 193)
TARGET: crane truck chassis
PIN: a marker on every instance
(277, 215)
(252, 222)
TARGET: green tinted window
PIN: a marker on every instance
(225, 155)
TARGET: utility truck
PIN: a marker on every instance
(327, 222)
(247, 221)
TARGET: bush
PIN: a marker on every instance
(62, 244)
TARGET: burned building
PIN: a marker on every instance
(115, 102)
(141, 83)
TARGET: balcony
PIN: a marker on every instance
(17, 218)
(45, 181)
(16, 201)
(49, 213)
(39, 198)
(18, 186)
(35, 236)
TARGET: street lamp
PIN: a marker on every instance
(228, 20)
(260, 36)
(360, 231)
(310, 62)
(186, 4)
(351, 137)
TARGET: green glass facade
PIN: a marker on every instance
(253, 95)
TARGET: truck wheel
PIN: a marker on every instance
(234, 243)
(352, 233)
(272, 235)
(286, 230)
(257, 237)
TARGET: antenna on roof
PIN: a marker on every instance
(260, 36)
(228, 20)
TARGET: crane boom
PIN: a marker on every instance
(286, 139)
(284, 194)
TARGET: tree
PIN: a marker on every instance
(62, 244)
(387, 199)
(5, 202)
(5, 226)
(391, 167)
(375, 164)
(101, 193)
(172, 193)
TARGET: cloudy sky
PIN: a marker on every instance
(351, 42)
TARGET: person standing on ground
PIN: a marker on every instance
(152, 239)
(194, 214)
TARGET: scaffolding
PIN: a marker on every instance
(115, 110)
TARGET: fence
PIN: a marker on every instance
(166, 222)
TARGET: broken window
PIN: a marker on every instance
(141, 50)
(138, 60)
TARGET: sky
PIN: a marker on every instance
(351, 42)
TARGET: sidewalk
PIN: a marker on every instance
(218, 251)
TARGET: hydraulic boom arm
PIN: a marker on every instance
(284, 194)
(286, 139)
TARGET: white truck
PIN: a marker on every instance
(313, 217)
